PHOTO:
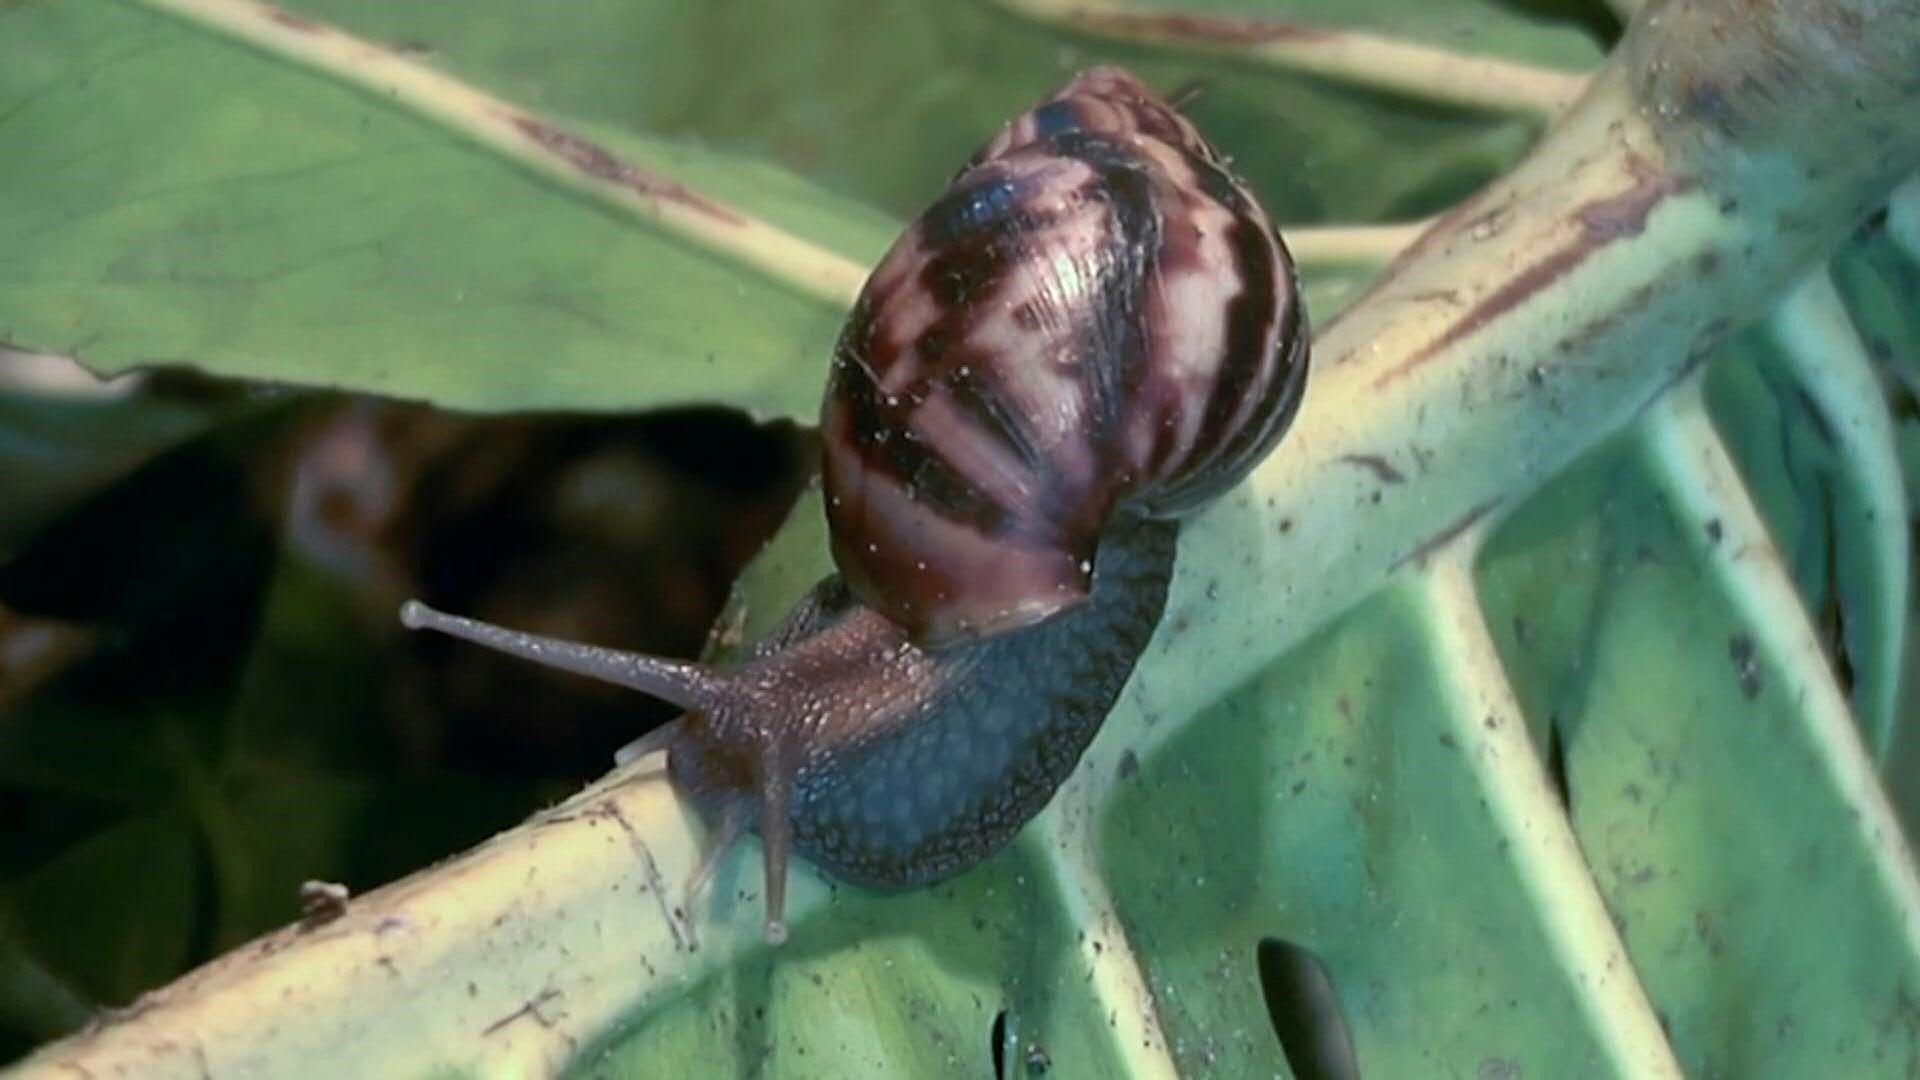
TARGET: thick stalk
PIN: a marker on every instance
(1726, 149)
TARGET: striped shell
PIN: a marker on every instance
(1095, 318)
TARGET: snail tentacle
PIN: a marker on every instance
(776, 837)
(677, 682)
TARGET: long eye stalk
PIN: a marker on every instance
(690, 686)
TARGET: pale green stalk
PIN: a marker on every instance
(1704, 484)
(1491, 730)
(1831, 365)
(532, 141)
(1373, 61)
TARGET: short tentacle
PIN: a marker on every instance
(776, 837)
(732, 823)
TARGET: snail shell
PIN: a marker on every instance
(1095, 318)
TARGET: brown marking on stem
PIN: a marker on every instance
(1535, 277)
(601, 164)
(1577, 341)
(1211, 29)
(1601, 222)
(1378, 465)
(1492, 221)
(1465, 216)
(1626, 214)
(293, 22)
(1462, 216)
(1445, 536)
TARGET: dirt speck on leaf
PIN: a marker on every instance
(1740, 651)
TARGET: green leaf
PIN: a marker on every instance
(1346, 784)
(274, 221)
(1504, 547)
(176, 196)
(887, 122)
(1699, 789)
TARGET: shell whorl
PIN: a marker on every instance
(1095, 318)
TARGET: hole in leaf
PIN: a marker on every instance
(1557, 764)
(1305, 1012)
(997, 1042)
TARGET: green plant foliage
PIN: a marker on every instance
(184, 197)
(886, 123)
(261, 221)
(1695, 784)
(1341, 774)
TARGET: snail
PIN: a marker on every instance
(1093, 332)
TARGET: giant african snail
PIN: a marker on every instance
(1092, 332)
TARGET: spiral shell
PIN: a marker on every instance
(1095, 318)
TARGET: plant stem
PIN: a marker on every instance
(1375, 61)
(1490, 728)
(533, 142)
(1833, 372)
(1703, 483)
(1545, 312)
(1350, 244)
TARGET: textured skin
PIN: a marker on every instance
(1095, 314)
(907, 766)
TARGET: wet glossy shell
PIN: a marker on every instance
(1095, 318)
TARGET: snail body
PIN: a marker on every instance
(1092, 333)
